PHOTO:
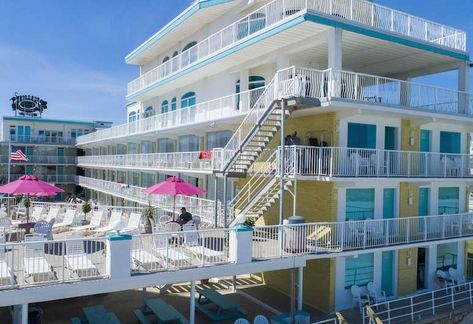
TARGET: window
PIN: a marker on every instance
(149, 111)
(175, 62)
(450, 142)
(447, 255)
(191, 44)
(173, 104)
(361, 136)
(132, 148)
(449, 200)
(359, 270)
(217, 139)
(164, 107)
(191, 55)
(188, 103)
(13, 133)
(165, 59)
(188, 100)
(165, 145)
(359, 204)
(133, 116)
(188, 143)
(254, 82)
(73, 133)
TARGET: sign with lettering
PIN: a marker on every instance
(26, 105)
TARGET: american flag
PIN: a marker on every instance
(18, 155)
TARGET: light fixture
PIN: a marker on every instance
(412, 138)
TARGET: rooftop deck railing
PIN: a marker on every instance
(204, 208)
(355, 162)
(43, 159)
(223, 107)
(35, 263)
(335, 237)
(179, 160)
(30, 139)
(358, 11)
(49, 178)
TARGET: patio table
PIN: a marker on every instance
(217, 306)
(162, 310)
(98, 314)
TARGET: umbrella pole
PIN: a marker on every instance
(174, 209)
(28, 208)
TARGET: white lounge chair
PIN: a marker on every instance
(37, 212)
(143, 259)
(191, 241)
(133, 226)
(68, 219)
(167, 252)
(35, 265)
(95, 222)
(77, 261)
(359, 297)
(115, 223)
(375, 293)
(6, 276)
(53, 213)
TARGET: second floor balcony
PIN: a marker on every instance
(355, 162)
(43, 159)
(33, 139)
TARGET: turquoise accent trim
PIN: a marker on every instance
(248, 42)
(173, 24)
(119, 237)
(57, 121)
(243, 228)
(385, 36)
(294, 22)
(130, 104)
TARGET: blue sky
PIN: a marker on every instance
(71, 52)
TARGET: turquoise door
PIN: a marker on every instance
(20, 133)
(60, 155)
(29, 152)
(27, 134)
(389, 196)
(450, 142)
(424, 201)
(387, 275)
(390, 138)
(424, 146)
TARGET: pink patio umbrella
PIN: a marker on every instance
(174, 186)
(30, 185)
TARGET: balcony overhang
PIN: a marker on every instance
(303, 37)
(195, 17)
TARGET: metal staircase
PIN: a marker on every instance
(257, 129)
(260, 192)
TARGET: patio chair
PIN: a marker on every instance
(35, 265)
(375, 293)
(133, 226)
(37, 212)
(163, 220)
(260, 319)
(95, 222)
(141, 258)
(6, 275)
(171, 227)
(168, 252)
(77, 261)
(68, 220)
(45, 228)
(196, 221)
(53, 213)
(114, 223)
(191, 242)
(359, 297)
(445, 278)
(457, 277)
(241, 321)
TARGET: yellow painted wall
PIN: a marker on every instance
(407, 129)
(407, 271)
(316, 201)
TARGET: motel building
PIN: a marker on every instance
(290, 108)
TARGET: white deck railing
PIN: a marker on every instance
(204, 208)
(165, 161)
(43, 159)
(424, 305)
(359, 11)
(334, 237)
(49, 178)
(34, 263)
(215, 109)
(354, 162)
(36, 139)
(164, 251)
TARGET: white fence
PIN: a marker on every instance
(354, 162)
(178, 160)
(334, 237)
(49, 177)
(43, 159)
(422, 306)
(204, 208)
(38, 262)
(268, 16)
(163, 251)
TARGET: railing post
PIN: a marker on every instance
(351, 11)
(433, 303)
(443, 226)
(425, 229)
(364, 234)
(387, 231)
(409, 164)
(392, 20)
(445, 165)
(118, 250)
(412, 309)
(408, 25)
(408, 229)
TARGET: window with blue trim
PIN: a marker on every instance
(359, 204)
(192, 54)
(450, 142)
(254, 82)
(165, 59)
(149, 111)
(188, 104)
(188, 100)
(361, 136)
(173, 104)
(359, 270)
(447, 256)
(449, 200)
(175, 62)
(133, 116)
(164, 107)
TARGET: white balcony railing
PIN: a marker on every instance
(31, 139)
(336, 237)
(164, 161)
(224, 107)
(204, 208)
(359, 11)
(43, 159)
(355, 162)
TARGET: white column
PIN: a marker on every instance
(377, 270)
(335, 48)
(24, 314)
(461, 257)
(431, 266)
(378, 202)
(463, 85)
(118, 256)
(300, 287)
(244, 75)
(192, 304)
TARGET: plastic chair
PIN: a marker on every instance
(359, 297)
(44, 228)
(241, 321)
(378, 295)
(260, 319)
